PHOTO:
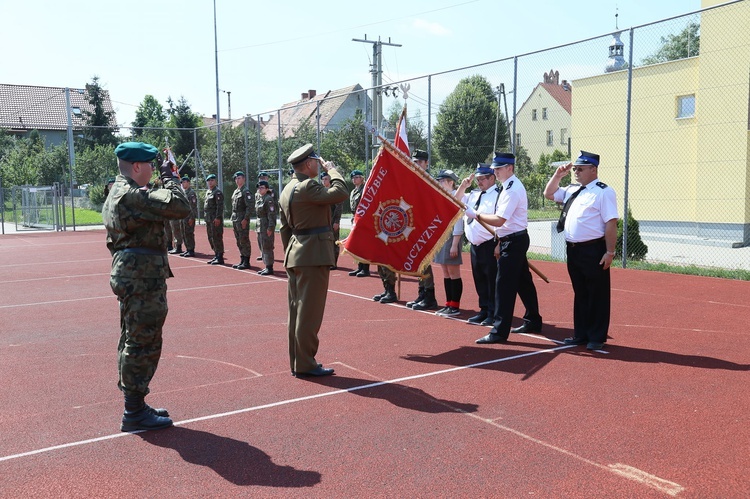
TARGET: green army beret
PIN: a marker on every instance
(210, 177)
(420, 154)
(262, 183)
(185, 178)
(263, 174)
(136, 152)
(238, 174)
(356, 173)
(111, 180)
(304, 152)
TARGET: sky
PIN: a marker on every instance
(270, 52)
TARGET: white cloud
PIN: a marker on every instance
(431, 28)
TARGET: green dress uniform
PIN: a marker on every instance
(213, 209)
(188, 223)
(242, 209)
(305, 215)
(265, 208)
(135, 220)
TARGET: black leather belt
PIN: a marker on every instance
(144, 251)
(512, 236)
(310, 232)
(491, 241)
(584, 243)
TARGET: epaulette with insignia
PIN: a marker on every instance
(601, 184)
(510, 184)
(497, 189)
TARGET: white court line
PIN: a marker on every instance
(623, 470)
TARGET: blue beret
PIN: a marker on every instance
(483, 169)
(136, 152)
(503, 159)
(238, 174)
(587, 158)
(356, 173)
(210, 177)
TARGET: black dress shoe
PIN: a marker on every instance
(489, 321)
(574, 341)
(492, 338)
(363, 273)
(594, 345)
(527, 327)
(318, 371)
(477, 319)
(354, 272)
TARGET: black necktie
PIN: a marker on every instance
(564, 214)
(476, 205)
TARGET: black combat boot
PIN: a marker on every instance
(244, 263)
(390, 294)
(428, 303)
(219, 259)
(354, 272)
(189, 253)
(211, 261)
(419, 298)
(140, 416)
(364, 272)
(177, 250)
(266, 271)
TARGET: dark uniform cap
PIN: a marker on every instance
(587, 158)
(301, 154)
(263, 174)
(185, 178)
(503, 159)
(111, 180)
(210, 177)
(483, 169)
(356, 173)
(324, 174)
(420, 154)
(238, 174)
(447, 174)
(136, 152)
(262, 183)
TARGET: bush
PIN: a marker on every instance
(96, 195)
(637, 249)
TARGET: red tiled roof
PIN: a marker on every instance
(559, 93)
(43, 108)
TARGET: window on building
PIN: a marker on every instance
(550, 138)
(686, 106)
(563, 136)
(518, 139)
(533, 114)
(76, 111)
(544, 113)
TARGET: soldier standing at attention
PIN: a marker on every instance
(265, 208)
(135, 217)
(213, 214)
(425, 299)
(242, 209)
(358, 179)
(305, 207)
(188, 224)
(264, 177)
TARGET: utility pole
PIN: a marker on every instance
(229, 103)
(376, 69)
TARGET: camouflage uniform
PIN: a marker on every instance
(336, 211)
(265, 207)
(135, 220)
(188, 224)
(213, 208)
(242, 209)
(176, 226)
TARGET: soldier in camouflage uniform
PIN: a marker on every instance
(336, 211)
(135, 217)
(265, 207)
(213, 214)
(242, 209)
(263, 176)
(188, 224)
(358, 179)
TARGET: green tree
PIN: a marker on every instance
(465, 129)
(95, 164)
(150, 113)
(98, 120)
(684, 44)
(346, 145)
(181, 116)
(416, 129)
(26, 162)
(637, 249)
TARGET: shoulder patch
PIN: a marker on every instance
(601, 184)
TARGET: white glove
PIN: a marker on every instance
(470, 213)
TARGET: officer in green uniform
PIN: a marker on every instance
(242, 210)
(265, 208)
(358, 179)
(213, 214)
(305, 210)
(135, 216)
(188, 224)
(263, 176)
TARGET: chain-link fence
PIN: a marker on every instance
(665, 105)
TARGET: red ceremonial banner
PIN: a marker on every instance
(404, 215)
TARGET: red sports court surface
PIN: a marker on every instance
(416, 408)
